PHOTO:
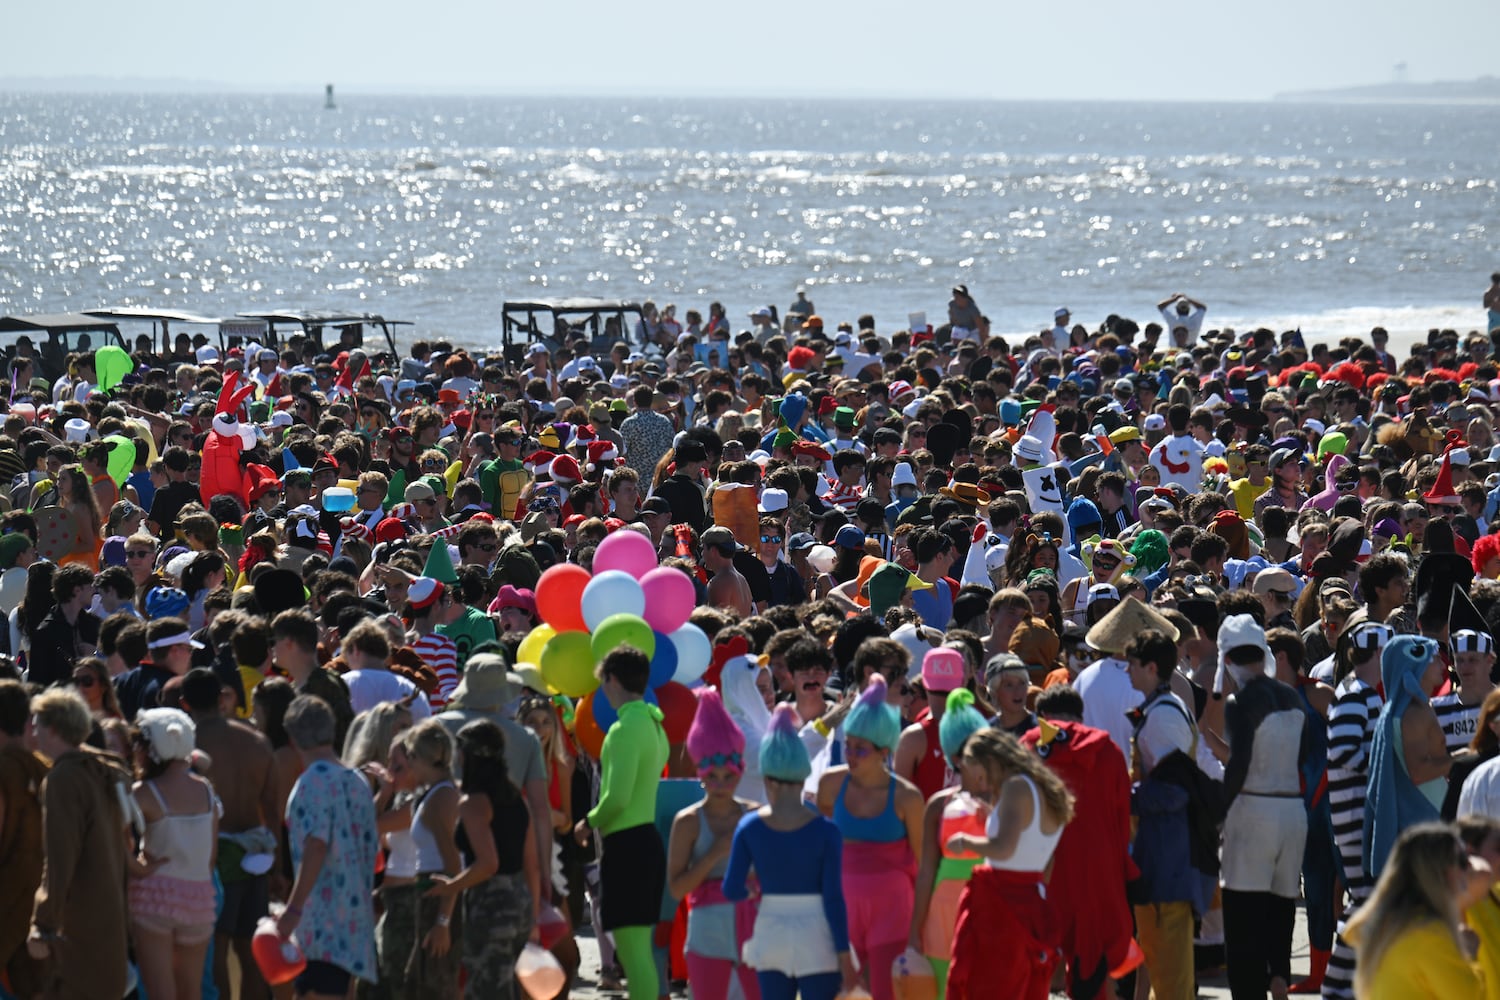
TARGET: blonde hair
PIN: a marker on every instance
(1001, 756)
(64, 711)
(372, 732)
(429, 743)
(1413, 890)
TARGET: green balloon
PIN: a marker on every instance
(111, 364)
(121, 457)
(624, 630)
(568, 664)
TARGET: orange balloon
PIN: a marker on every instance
(678, 705)
(585, 730)
(559, 597)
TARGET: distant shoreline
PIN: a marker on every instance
(1483, 91)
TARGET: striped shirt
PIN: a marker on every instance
(1459, 721)
(846, 498)
(1351, 728)
(441, 657)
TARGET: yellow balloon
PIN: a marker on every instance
(530, 650)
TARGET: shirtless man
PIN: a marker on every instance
(727, 587)
(243, 773)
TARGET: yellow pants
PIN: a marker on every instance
(1165, 933)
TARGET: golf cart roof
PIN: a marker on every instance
(146, 313)
(318, 317)
(573, 305)
(55, 322)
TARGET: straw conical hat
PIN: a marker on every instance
(1114, 631)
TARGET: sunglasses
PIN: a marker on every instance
(433, 463)
(484, 416)
(85, 680)
(771, 538)
(139, 554)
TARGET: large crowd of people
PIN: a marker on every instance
(1076, 662)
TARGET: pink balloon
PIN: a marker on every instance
(670, 598)
(628, 551)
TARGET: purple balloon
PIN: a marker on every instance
(627, 551)
(670, 597)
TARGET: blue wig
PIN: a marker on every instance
(782, 755)
(960, 721)
(872, 719)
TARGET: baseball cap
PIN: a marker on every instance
(721, 538)
(656, 505)
(943, 670)
(773, 500)
(800, 542)
(849, 537)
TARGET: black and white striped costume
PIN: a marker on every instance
(1351, 728)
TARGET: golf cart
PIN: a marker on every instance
(552, 322)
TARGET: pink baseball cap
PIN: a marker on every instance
(943, 670)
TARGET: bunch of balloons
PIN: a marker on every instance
(627, 601)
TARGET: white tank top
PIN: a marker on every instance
(185, 840)
(402, 860)
(429, 858)
(1033, 847)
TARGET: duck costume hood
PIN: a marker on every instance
(1394, 801)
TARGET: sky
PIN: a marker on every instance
(1083, 50)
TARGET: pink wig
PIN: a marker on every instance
(713, 739)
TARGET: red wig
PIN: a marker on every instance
(1485, 549)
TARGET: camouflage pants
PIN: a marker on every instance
(407, 970)
(497, 923)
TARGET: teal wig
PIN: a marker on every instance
(960, 721)
(782, 755)
(872, 719)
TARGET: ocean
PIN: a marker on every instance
(1333, 218)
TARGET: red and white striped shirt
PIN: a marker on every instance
(441, 656)
(844, 497)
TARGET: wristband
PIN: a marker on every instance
(443, 921)
(821, 728)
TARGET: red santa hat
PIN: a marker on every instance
(602, 454)
(565, 471)
(539, 462)
(1442, 492)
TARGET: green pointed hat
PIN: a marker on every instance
(440, 564)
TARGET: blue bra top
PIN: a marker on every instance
(882, 829)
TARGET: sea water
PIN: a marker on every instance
(437, 209)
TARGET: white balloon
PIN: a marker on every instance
(613, 592)
(694, 652)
